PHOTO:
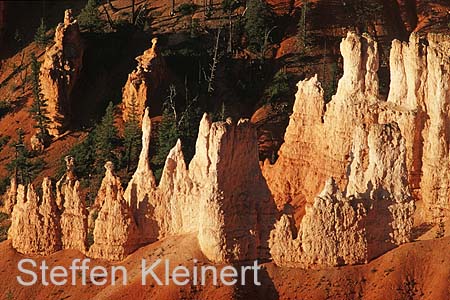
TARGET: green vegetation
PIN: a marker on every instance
(100, 145)
(187, 9)
(89, 17)
(278, 88)
(4, 183)
(106, 139)
(90, 237)
(5, 107)
(41, 38)
(177, 125)
(258, 24)
(4, 232)
(331, 85)
(4, 139)
(23, 166)
(366, 13)
(230, 5)
(3, 217)
(38, 109)
(132, 138)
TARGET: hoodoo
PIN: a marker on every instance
(60, 71)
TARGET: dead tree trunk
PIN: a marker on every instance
(214, 64)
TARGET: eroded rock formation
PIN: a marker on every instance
(10, 196)
(141, 186)
(35, 221)
(115, 231)
(420, 82)
(373, 215)
(373, 154)
(144, 82)
(60, 70)
(318, 139)
(222, 196)
(74, 217)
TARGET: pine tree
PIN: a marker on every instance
(167, 132)
(89, 18)
(41, 38)
(132, 137)
(258, 21)
(20, 165)
(106, 138)
(174, 126)
(38, 109)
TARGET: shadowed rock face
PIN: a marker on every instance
(60, 70)
(144, 82)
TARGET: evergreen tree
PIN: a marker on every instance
(132, 137)
(174, 126)
(279, 87)
(84, 156)
(20, 165)
(41, 38)
(89, 18)
(258, 21)
(167, 132)
(38, 109)
(106, 139)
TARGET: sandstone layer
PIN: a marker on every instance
(60, 70)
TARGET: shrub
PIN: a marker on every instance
(187, 9)
(4, 182)
(278, 88)
(5, 107)
(41, 38)
(258, 21)
(4, 140)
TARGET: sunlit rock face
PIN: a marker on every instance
(9, 198)
(349, 178)
(35, 221)
(222, 196)
(144, 82)
(74, 226)
(373, 214)
(60, 71)
(115, 231)
(319, 137)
